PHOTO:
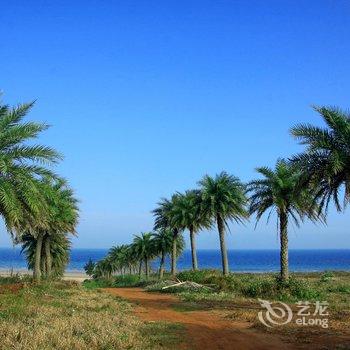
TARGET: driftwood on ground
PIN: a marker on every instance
(189, 284)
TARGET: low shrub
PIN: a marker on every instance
(342, 288)
(301, 290)
(127, 281)
(249, 285)
(327, 276)
(98, 283)
(199, 276)
(259, 288)
(15, 278)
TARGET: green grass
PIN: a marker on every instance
(120, 281)
(98, 283)
(331, 286)
(15, 278)
(301, 286)
(165, 334)
(65, 315)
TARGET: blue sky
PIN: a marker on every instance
(145, 97)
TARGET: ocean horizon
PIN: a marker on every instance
(240, 260)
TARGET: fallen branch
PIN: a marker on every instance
(189, 284)
(174, 285)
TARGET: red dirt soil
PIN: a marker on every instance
(204, 329)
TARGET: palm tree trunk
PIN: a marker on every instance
(43, 264)
(284, 246)
(173, 255)
(161, 266)
(37, 262)
(193, 249)
(146, 268)
(221, 229)
(140, 268)
(48, 256)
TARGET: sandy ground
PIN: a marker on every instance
(68, 275)
(205, 329)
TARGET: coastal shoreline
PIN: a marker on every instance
(70, 275)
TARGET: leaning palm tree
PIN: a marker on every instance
(21, 165)
(279, 191)
(187, 213)
(143, 247)
(164, 219)
(326, 161)
(223, 200)
(162, 241)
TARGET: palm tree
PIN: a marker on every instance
(223, 200)
(21, 166)
(279, 191)
(60, 246)
(131, 258)
(163, 245)
(64, 218)
(164, 219)
(103, 268)
(144, 248)
(58, 255)
(134, 258)
(326, 162)
(188, 214)
(90, 267)
(120, 258)
(60, 217)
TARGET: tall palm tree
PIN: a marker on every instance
(326, 161)
(279, 191)
(163, 245)
(21, 165)
(144, 248)
(188, 214)
(164, 219)
(223, 200)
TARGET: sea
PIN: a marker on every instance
(239, 260)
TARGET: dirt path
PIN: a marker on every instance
(205, 329)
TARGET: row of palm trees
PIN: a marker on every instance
(137, 256)
(296, 189)
(38, 207)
